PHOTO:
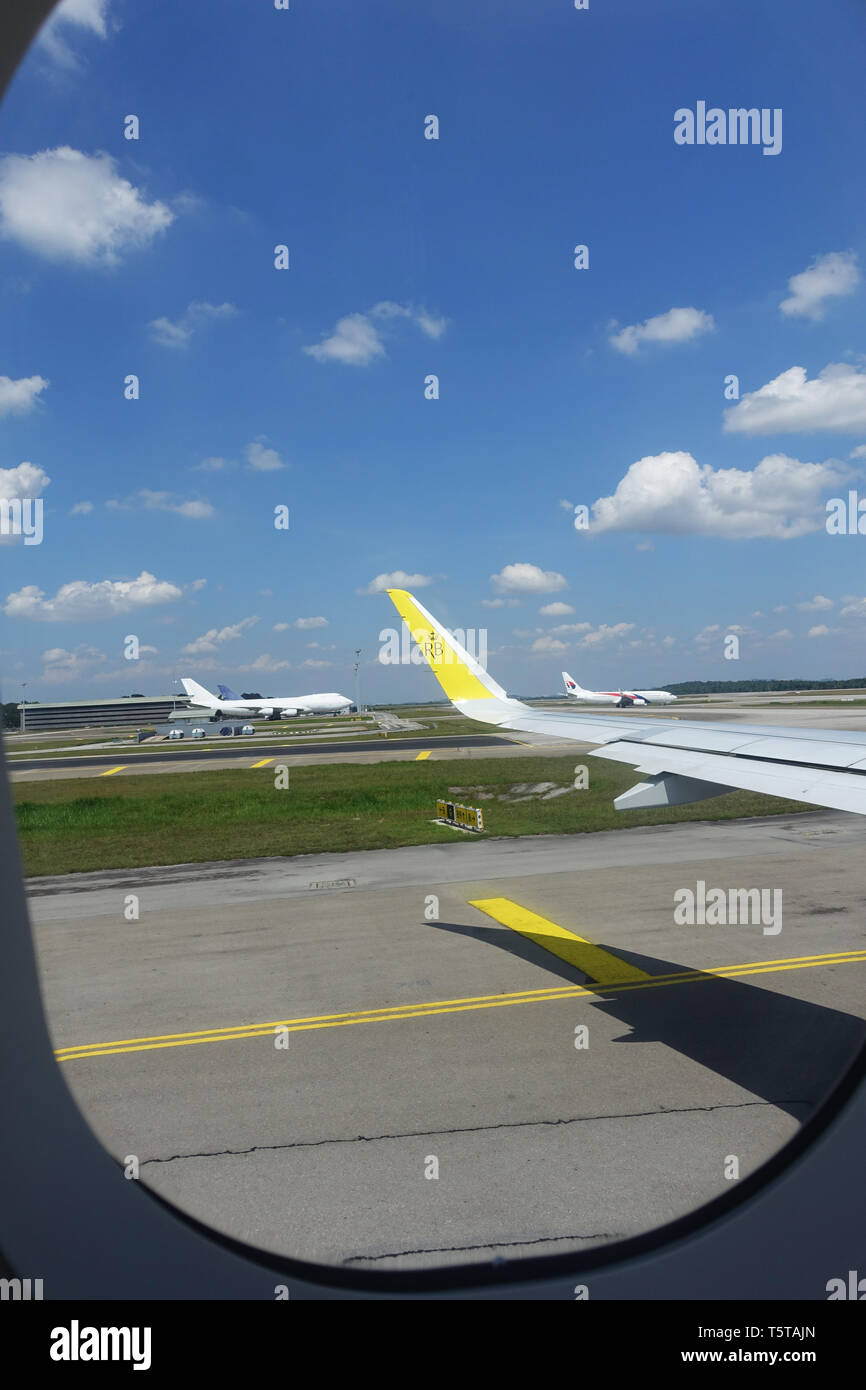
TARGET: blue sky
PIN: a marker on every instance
(408, 257)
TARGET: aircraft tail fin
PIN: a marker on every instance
(570, 684)
(226, 694)
(463, 679)
(197, 693)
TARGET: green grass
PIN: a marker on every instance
(83, 824)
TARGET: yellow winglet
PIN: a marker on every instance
(458, 673)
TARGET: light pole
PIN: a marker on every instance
(23, 707)
(357, 680)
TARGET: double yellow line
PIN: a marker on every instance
(471, 1003)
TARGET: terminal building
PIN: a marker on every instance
(132, 711)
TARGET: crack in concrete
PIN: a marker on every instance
(486, 1245)
(469, 1129)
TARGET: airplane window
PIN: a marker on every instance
(433, 683)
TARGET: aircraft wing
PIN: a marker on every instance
(684, 760)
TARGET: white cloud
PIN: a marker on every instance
(565, 504)
(828, 277)
(855, 609)
(60, 665)
(397, 580)
(147, 500)
(549, 644)
(69, 206)
(266, 662)
(212, 465)
(671, 493)
(500, 603)
(81, 509)
(819, 604)
(834, 400)
(261, 459)
(528, 579)
(80, 601)
(669, 641)
(676, 326)
(178, 334)
(197, 584)
(306, 623)
(357, 341)
(556, 610)
(315, 664)
(17, 397)
(215, 638)
(280, 627)
(25, 480)
(606, 634)
(820, 631)
(89, 15)
(572, 627)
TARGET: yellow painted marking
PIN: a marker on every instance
(264, 762)
(600, 965)
(421, 756)
(451, 671)
(111, 771)
(394, 1013)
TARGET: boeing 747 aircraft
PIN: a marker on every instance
(623, 699)
(683, 759)
(228, 702)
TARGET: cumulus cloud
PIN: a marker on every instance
(81, 509)
(25, 480)
(80, 601)
(528, 579)
(500, 603)
(178, 333)
(71, 16)
(606, 634)
(819, 604)
(17, 397)
(399, 579)
(856, 608)
(556, 610)
(69, 206)
(790, 403)
(549, 644)
(828, 277)
(572, 627)
(671, 493)
(262, 459)
(266, 662)
(357, 339)
(820, 631)
(147, 500)
(215, 638)
(676, 326)
(306, 623)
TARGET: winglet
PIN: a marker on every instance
(462, 678)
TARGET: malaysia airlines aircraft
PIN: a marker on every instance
(682, 759)
(229, 702)
(623, 699)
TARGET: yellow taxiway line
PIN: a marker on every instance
(600, 965)
(397, 1012)
(264, 762)
(421, 756)
(111, 771)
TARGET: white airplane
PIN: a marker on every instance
(228, 702)
(623, 699)
(683, 759)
